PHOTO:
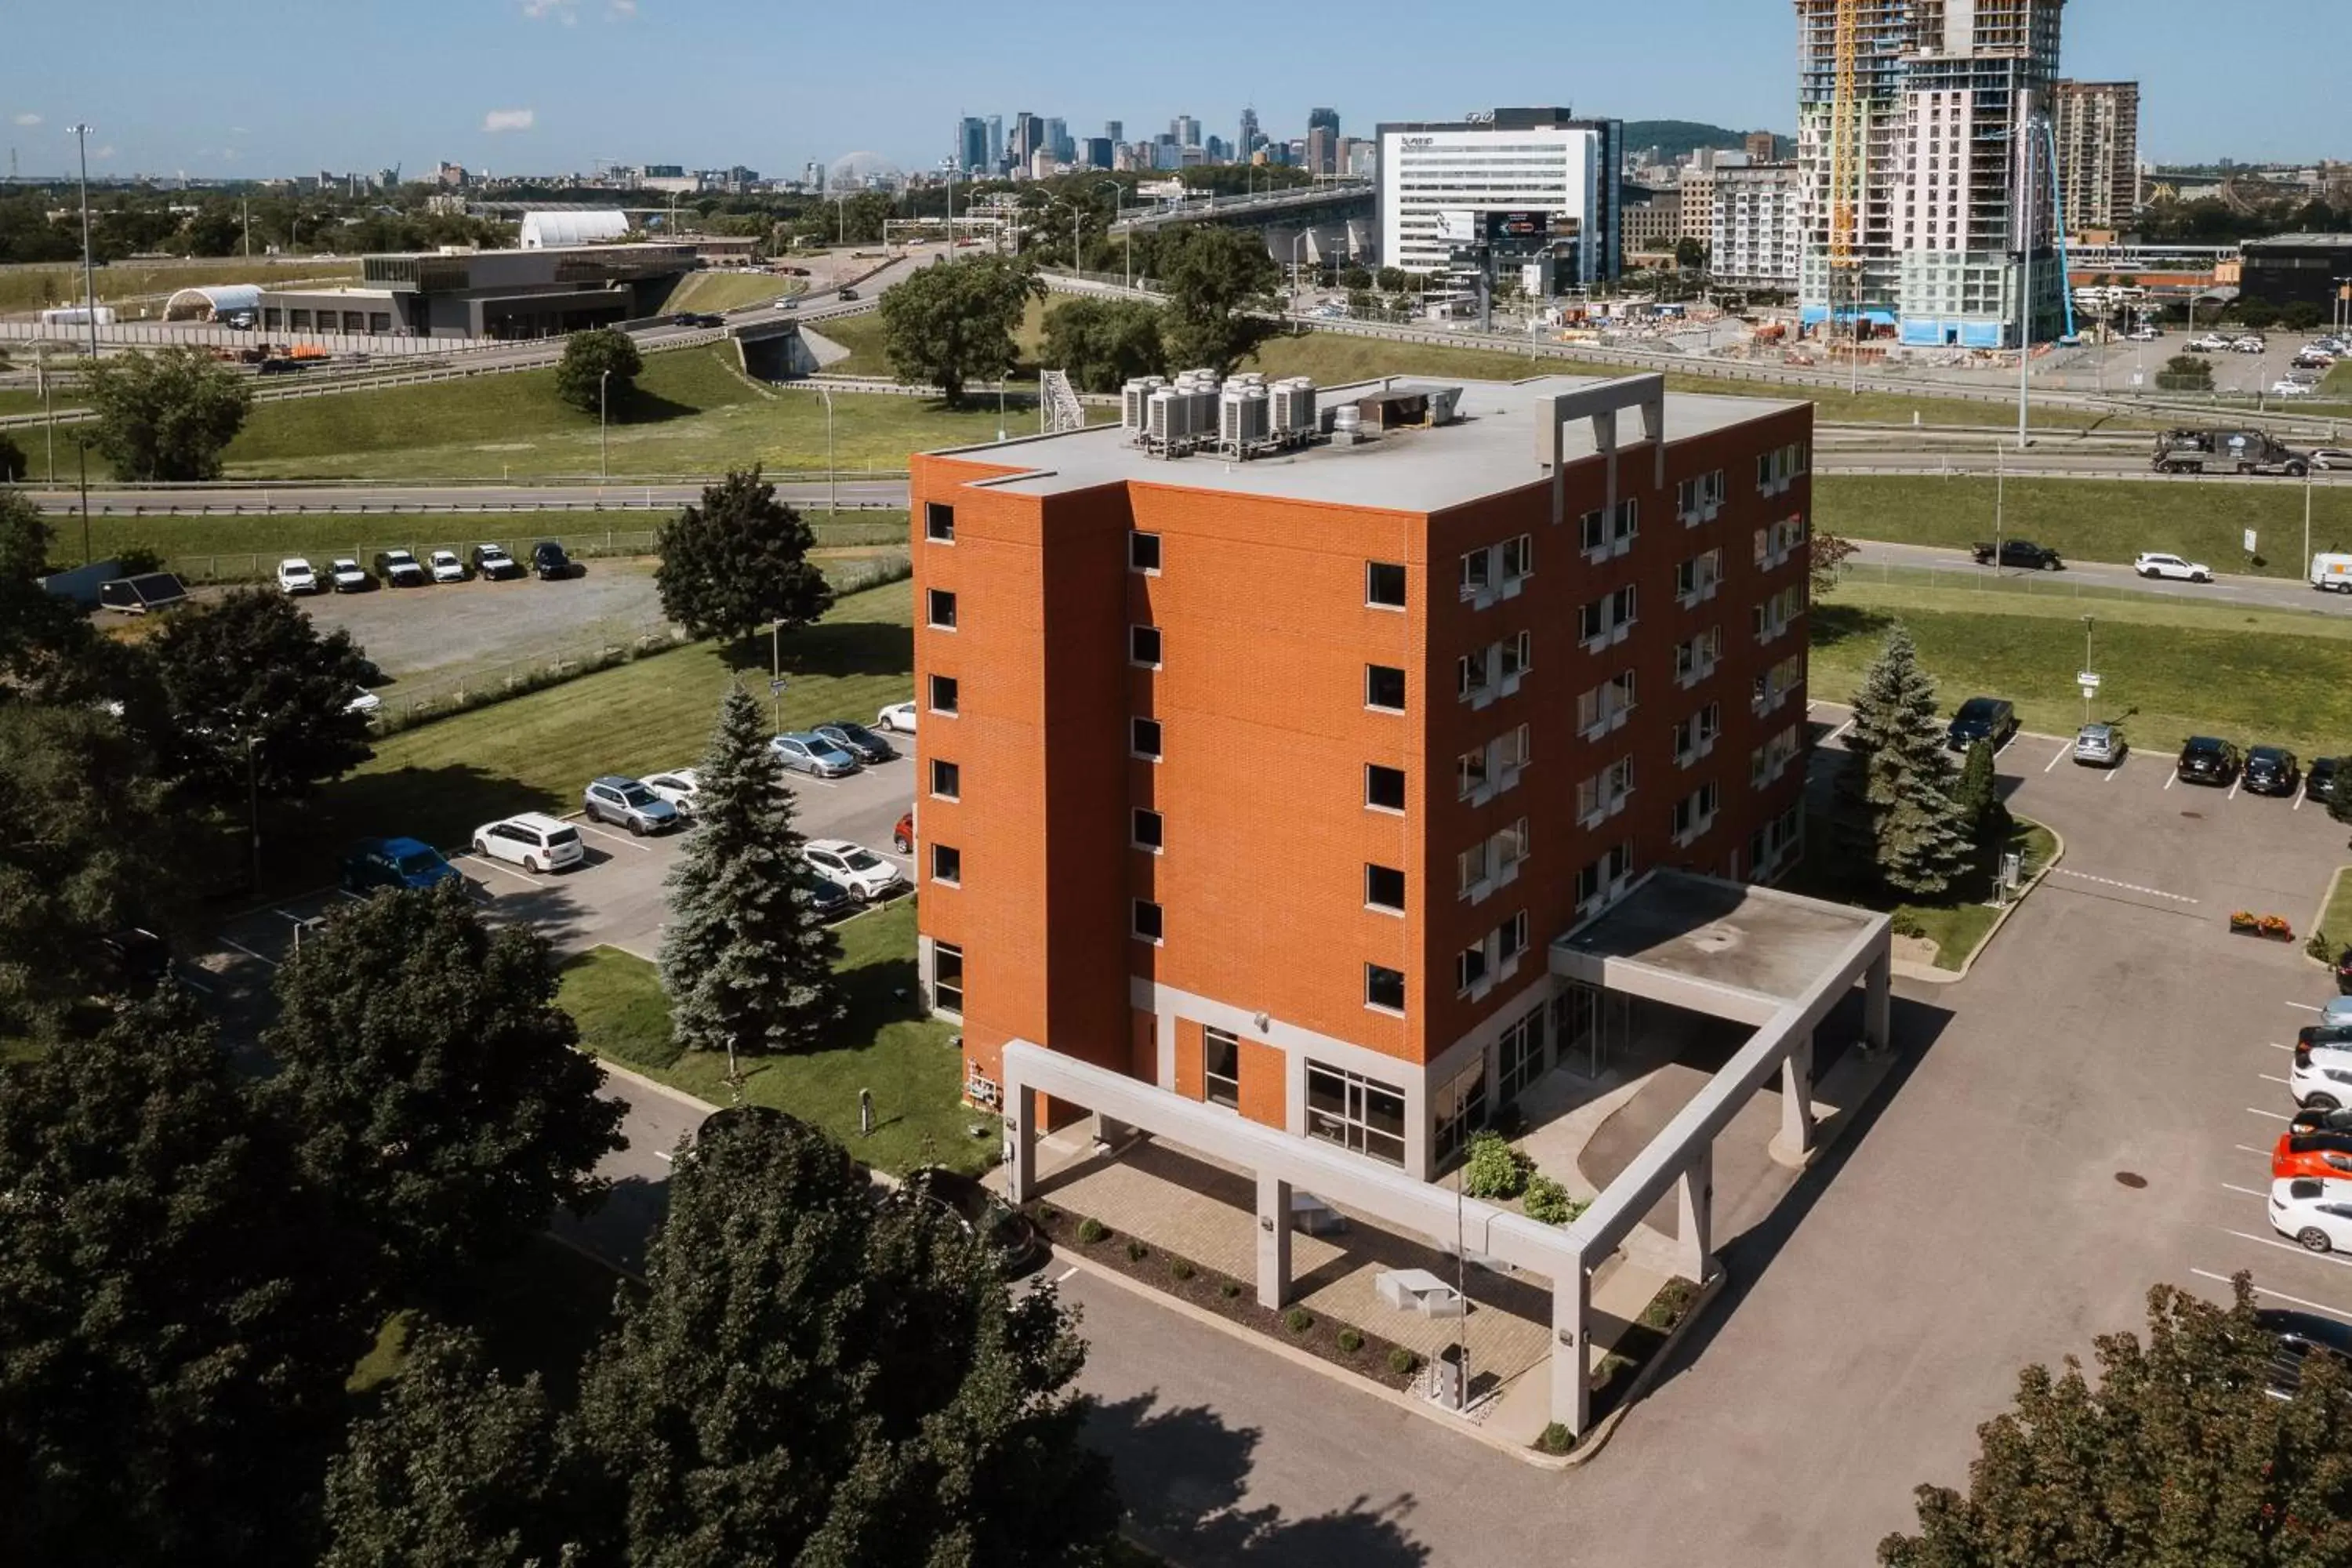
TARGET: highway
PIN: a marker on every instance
(1954, 568)
(301, 496)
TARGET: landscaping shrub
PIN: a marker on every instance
(1180, 1268)
(1091, 1230)
(1298, 1320)
(1228, 1288)
(1903, 923)
(2320, 948)
(1350, 1341)
(1556, 1438)
(1670, 1305)
(1137, 1252)
(1494, 1169)
(1548, 1202)
(1403, 1362)
(138, 560)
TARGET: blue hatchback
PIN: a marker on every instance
(394, 863)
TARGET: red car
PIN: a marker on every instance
(902, 838)
(2322, 1155)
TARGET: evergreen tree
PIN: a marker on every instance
(1896, 796)
(433, 1083)
(813, 1377)
(745, 959)
(176, 1318)
(1983, 818)
(2180, 1458)
(459, 1469)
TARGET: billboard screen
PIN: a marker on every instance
(1457, 225)
(1517, 226)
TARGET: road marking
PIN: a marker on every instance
(2264, 1290)
(2268, 1079)
(586, 827)
(347, 893)
(666, 1157)
(2171, 779)
(2274, 1115)
(2290, 1247)
(230, 941)
(2304, 1005)
(2250, 1192)
(2241, 1149)
(195, 984)
(1063, 1278)
(2234, 788)
(495, 866)
(2127, 887)
(2113, 768)
(1833, 734)
(2056, 758)
(2298, 802)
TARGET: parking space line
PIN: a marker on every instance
(2241, 1149)
(2109, 777)
(586, 827)
(2289, 1246)
(2298, 802)
(2274, 1115)
(2304, 1005)
(2171, 779)
(2276, 1046)
(2127, 887)
(231, 942)
(2056, 757)
(2250, 1192)
(194, 985)
(2266, 1290)
(1833, 734)
(2234, 788)
(2266, 1078)
(666, 1157)
(493, 865)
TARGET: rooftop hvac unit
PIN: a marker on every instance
(1164, 412)
(1293, 408)
(1202, 422)
(1346, 424)
(1132, 398)
(1243, 419)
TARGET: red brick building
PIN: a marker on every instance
(1270, 782)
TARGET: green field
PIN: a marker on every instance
(2171, 670)
(730, 291)
(2334, 916)
(2093, 520)
(439, 781)
(886, 1045)
(691, 414)
(218, 548)
(25, 400)
(862, 336)
(22, 287)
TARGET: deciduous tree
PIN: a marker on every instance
(165, 415)
(813, 1377)
(1219, 281)
(1897, 789)
(13, 469)
(1826, 562)
(745, 959)
(2179, 1457)
(39, 633)
(951, 323)
(433, 1082)
(1983, 818)
(1102, 342)
(250, 669)
(738, 560)
(459, 1469)
(176, 1317)
(589, 359)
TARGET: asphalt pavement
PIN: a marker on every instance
(2226, 588)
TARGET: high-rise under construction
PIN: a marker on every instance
(1924, 168)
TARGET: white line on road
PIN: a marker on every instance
(2127, 887)
(2057, 757)
(2304, 1005)
(2241, 1149)
(2274, 1115)
(2250, 1192)
(2171, 779)
(493, 865)
(2234, 788)
(2276, 1046)
(587, 827)
(2264, 1290)
(2298, 804)
(2107, 776)
(195, 986)
(230, 941)
(664, 1156)
(1064, 1276)
(2290, 1247)
(2268, 1077)
(1833, 734)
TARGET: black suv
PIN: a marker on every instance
(2206, 761)
(1981, 719)
(547, 559)
(2298, 1336)
(2319, 784)
(2272, 770)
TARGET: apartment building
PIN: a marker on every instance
(1269, 782)
(1756, 238)
(2095, 131)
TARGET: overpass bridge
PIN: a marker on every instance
(1333, 221)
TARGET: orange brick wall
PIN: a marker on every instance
(1189, 1059)
(1264, 1098)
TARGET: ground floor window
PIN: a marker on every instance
(1355, 1112)
(1221, 1069)
(1461, 1109)
(947, 977)
(1519, 1055)
(1576, 1018)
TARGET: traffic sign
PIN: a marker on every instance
(2250, 542)
(2088, 681)
(775, 688)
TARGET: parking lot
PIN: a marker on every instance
(2123, 366)
(455, 628)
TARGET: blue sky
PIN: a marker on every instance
(260, 87)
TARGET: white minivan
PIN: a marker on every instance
(532, 840)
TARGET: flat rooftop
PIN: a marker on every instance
(1726, 937)
(1488, 450)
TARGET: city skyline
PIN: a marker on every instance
(534, 88)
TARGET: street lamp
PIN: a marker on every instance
(832, 471)
(603, 438)
(80, 134)
(1296, 240)
(1127, 240)
(2086, 668)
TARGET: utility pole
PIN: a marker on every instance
(2086, 668)
(89, 276)
(603, 439)
(2025, 259)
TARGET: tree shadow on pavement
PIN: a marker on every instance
(1183, 1473)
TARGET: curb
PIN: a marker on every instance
(2326, 898)
(1315, 1364)
(1938, 976)
(1587, 1449)
(652, 1086)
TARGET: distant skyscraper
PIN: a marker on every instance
(1101, 152)
(995, 141)
(1217, 151)
(1028, 138)
(1186, 129)
(1322, 151)
(1056, 139)
(972, 143)
(1248, 142)
(2097, 131)
(1114, 130)
(1324, 120)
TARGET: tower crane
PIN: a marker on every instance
(1847, 151)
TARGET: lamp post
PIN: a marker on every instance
(603, 439)
(831, 472)
(1296, 240)
(1127, 241)
(2086, 668)
(80, 134)
(2025, 273)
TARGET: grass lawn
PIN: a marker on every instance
(862, 335)
(2171, 670)
(213, 549)
(1957, 923)
(2335, 916)
(2092, 520)
(33, 437)
(691, 414)
(538, 1311)
(727, 291)
(886, 1045)
(441, 780)
(21, 287)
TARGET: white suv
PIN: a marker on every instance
(532, 840)
(295, 576)
(2324, 1082)
(852, 867)
(2154, 563)
(447, 567)
(2315, 1214)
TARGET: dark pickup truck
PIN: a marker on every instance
(2019, 552)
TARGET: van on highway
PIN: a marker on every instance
(2332, 571)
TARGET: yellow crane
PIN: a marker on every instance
(1845, 140)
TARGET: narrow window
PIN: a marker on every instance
(1150, 830)
(947, 864)
(1143, 552)
(1384, 687)
(1221, 1069)
(1384, 888)
(1143, 645)
(1143, 738)
(939, 522)
(1149, 925)
(1383, 788)
(942, 611)
(947, 977)
(1384, 584)
(1384, 987)
(946, 779)
(943, 694)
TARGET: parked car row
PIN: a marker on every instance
(2311, 1163)
(402, 569)
(835, 749)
